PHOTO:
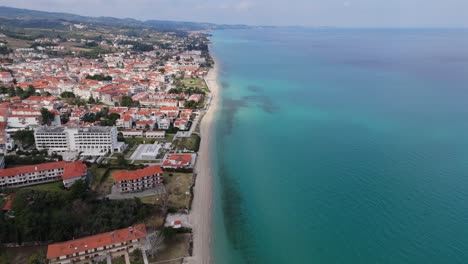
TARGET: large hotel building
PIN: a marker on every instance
(92, 141)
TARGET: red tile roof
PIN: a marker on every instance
(136, 174)
(177, 160)
(71, 170)
(74, 169)
(93, 242)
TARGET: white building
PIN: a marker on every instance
(91, 141)
(164, 123)
(43, 173)
(155, 134)
(132, 133)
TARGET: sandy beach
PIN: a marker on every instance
(200, 215)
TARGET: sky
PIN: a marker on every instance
(340, 13)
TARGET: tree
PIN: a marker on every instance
(99, 77)
(46, 116)
(114, 116)
(120, 137)
(162, 70)
(156, 243)
(37, 257)
(78, 190)
(25, 137)
(31, 90)
(91, 100)
(191, 104)
(127, 101)
(121, 159)
(67, 95)
(11, 91)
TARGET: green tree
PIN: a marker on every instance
(78, 190)
(120, 137)
(37, 257)
(127, 101)
(91, 100)
(31, 90)
(121, 159)
(191, 104)
(11, 91)
(46, 116)
(67, 95)
(25, 137)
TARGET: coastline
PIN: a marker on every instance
(201, 213)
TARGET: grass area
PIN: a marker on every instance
(98, 176)
(156, 221)
(191, 143)
(168, 138)
(178, 187)
(19, 254)
(150, 199)
(176, 247)
(195, 82)
(106, 183)
(53, 186)
(146, 161)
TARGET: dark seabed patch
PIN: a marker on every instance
(225, 85)
(238, 230)
(254, 88)
(264, 102)
(230, 108)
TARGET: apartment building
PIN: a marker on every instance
(138, 180)
(91, 141)
(67, 172)
(95, 248)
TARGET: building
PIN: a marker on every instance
(179, 161)
(132, 133)
(91, 141)
(164, 123)
(125, 121)
(155, 134)
(145, 124)
(138, 180)
(94, 248)
(6, 77)
(68, 173)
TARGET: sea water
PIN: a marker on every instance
(341, 146)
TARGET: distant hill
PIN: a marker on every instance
(41, 19)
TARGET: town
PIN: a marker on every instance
(99, 134)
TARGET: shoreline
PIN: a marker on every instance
(201, 213)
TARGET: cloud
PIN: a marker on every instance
(244, 5)
(347, 13)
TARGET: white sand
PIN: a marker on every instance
(200, 215)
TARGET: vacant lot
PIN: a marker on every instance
(176, 247)
(105, 185)
(141, 140)
(191, 143)
(195, 82)
(177, 188)
(98, 175)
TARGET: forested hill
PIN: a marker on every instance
(36, 19)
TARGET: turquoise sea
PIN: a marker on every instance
(341, 146)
